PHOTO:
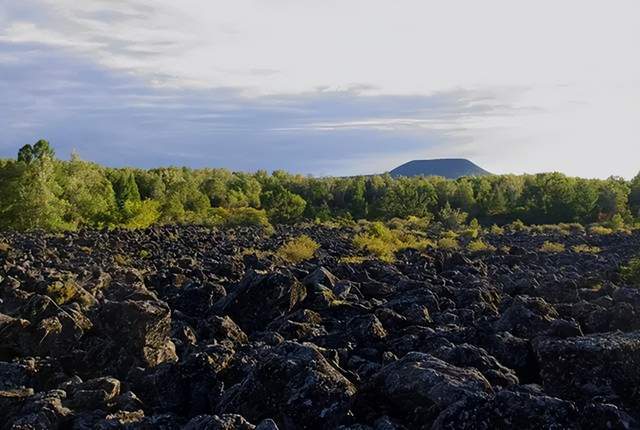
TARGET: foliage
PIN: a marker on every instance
(496, 230)
(137, 214)
(297, 250)
(552, 247)
(631, 272)
(600, 230)
(238, 217)
(382, 242)
(586, 249)
(480, 246)
(448, 243)
(39, 191)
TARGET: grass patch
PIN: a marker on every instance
(552, 247)
(382, 242)
(353, 259)
(480, 246)
(586, 249)
(496, 230)
(4, 247)
(600, 230)
(298, 250)
(448, 243)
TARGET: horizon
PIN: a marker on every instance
(248, 86)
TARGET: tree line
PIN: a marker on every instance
(39, 191)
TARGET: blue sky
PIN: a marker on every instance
(325, 87)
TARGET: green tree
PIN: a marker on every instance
(281, 205)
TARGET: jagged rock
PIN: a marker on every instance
(466, 356)
(215, 422)
(508, 410)
(419, 384)
(294, 385)
(141, 329)
(527, 317)
(605, 365)
(260, 298)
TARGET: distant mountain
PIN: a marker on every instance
(451, 168)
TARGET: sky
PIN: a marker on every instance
(325, 87)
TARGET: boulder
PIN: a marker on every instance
(295, 386)
(606, 365)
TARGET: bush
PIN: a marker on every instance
(140, 214)
(517, 225)
(496, 230)
(297, 250)
(552, 247)
(448, 243)
(573, 227)
(631, 272)
(600, 230)
(353, 259)
(586, 249)
(377, 246)
(480, 246)
(238, 217)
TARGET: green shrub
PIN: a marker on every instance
(573, 227)
(377, 246)
(238, 217)
(600, 230)
(552, 247)
(448, 243)
(480, 246)
(616, 223)
(631, 272)
(383, 242)
(496, 230)
(297, 250)
(353, 259)
(517, 225)
(61, 292)
(586, 249)
(140, 214)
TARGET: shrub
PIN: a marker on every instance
(631, 272)
(61, 292)
(448, 243)
(4, 247)
(617, 222)
(480, 246)
(600, 230)
(573, 227)
(450, 218)
(377, 246)
(517, 225)
(238, 217)
(496, 230)
(552, 247)
(353, 259)
(586, 249)
(297, 250)
(140, 214)
(383, 243)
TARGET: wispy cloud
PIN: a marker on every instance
(339, 86)
(120, 119)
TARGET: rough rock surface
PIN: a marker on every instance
(184, 327)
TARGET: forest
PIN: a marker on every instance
(39, 191)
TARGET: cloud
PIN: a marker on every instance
(348, 86)
(120, 119)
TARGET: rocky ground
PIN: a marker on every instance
(173, 327)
